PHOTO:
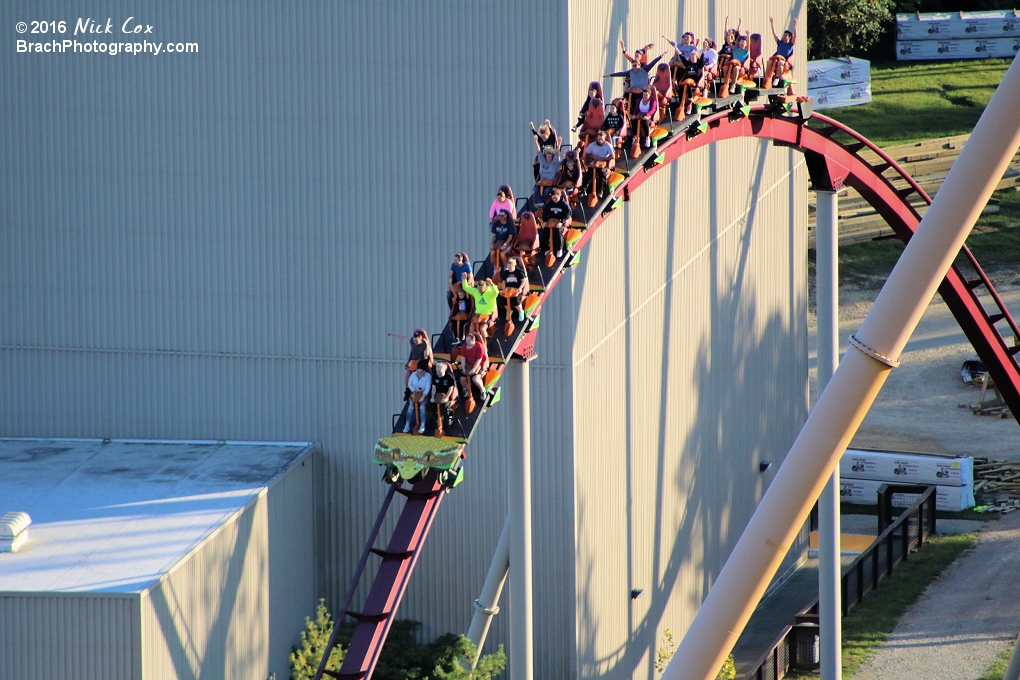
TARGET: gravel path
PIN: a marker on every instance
(963, 620)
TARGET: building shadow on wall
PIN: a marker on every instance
(214, 658)
(742, 415)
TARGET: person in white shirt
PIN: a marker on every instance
(711, 60)
(599, 157)
(420, 385)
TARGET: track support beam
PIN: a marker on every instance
(853, 388)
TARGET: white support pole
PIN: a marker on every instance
(829, 563)
(853, 387)
(519, 479)
(487, 604)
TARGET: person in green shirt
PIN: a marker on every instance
(484, 294)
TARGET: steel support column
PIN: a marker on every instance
(829, 564)
(487, 604)
(518, 388)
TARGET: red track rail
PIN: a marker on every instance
(842, 164)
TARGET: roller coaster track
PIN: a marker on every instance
(833, 160)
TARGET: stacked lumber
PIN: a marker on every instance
(928, 162)
(999, 482)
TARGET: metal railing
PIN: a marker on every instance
(897, 537)
(893, 545)
(776, 662)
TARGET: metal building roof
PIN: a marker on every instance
(113, 516)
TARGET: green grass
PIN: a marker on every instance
(998, 669)
(870, 623)
(995, 242)
(915, 101)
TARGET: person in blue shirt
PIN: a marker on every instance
(737, 65)
(782, 60)
(461, 265)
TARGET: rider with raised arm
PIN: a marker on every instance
(737, 65)
(641, 53)
(484, 295)
(544, 136)
(726, 50)
(782, 60)
(636, 79)
(688, 46)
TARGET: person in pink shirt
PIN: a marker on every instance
(504, 201)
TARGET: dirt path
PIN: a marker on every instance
(964, 619)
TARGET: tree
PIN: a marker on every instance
(841, 28)
(305, 658)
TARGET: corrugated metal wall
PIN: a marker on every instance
(209, 615)
(690, 358)
(69, 635)
(290, 512)
(214, 246)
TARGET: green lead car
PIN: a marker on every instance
(410, 455)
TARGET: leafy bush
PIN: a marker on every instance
(402, 657)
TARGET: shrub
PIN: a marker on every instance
(402, 657)
(664, 653)
(305, 658)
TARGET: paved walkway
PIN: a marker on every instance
(992, 567)
(964, 619)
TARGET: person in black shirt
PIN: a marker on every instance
(503, 233)
(444, 395)
(614, 122)
(557, 219)
(569, 176)
(514, 281)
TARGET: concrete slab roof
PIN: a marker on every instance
(113, 516)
